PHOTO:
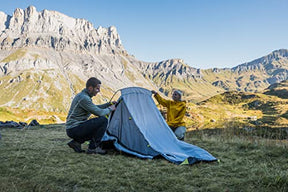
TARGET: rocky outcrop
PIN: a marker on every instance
(175, 67)
(221, 84)
(51, 29)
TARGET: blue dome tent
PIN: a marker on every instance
(138, 128)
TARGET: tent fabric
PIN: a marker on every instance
(138, 128)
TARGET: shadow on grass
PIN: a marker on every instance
(281, 93)
(279, 133)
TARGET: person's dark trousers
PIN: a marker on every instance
(91, 130)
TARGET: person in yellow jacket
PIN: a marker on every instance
(176, 110)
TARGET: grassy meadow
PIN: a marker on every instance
(247, 132)
(38, 159)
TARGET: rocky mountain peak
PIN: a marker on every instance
(51, 29)
(30, 12)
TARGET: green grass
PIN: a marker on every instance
(130, 75)
(19, 53)
(26, 115)
(38, 159)
(36, 89)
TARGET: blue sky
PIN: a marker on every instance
(204, 33)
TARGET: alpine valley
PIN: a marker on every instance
(46, 58)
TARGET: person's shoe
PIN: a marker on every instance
(181, 139)
(75, 146)
(98, 150)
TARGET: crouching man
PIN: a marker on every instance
(79, 128)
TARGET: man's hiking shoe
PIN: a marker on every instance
(98, 150)
(75, 146)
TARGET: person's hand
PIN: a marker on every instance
(112, 107)
(153, 92)
(114, 102)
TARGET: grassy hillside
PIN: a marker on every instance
(38, 159)
(26, 115)
(14, 56)
(44, 95)
(35, 90)
(249, 81)
(192, 89)
(278, 89)
(254, 110)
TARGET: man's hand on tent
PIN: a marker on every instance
(112, 107)
(114, 102)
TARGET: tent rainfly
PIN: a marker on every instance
(138, 128)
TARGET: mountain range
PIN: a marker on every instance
(46, 57)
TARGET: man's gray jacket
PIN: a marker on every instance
(81, 109)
